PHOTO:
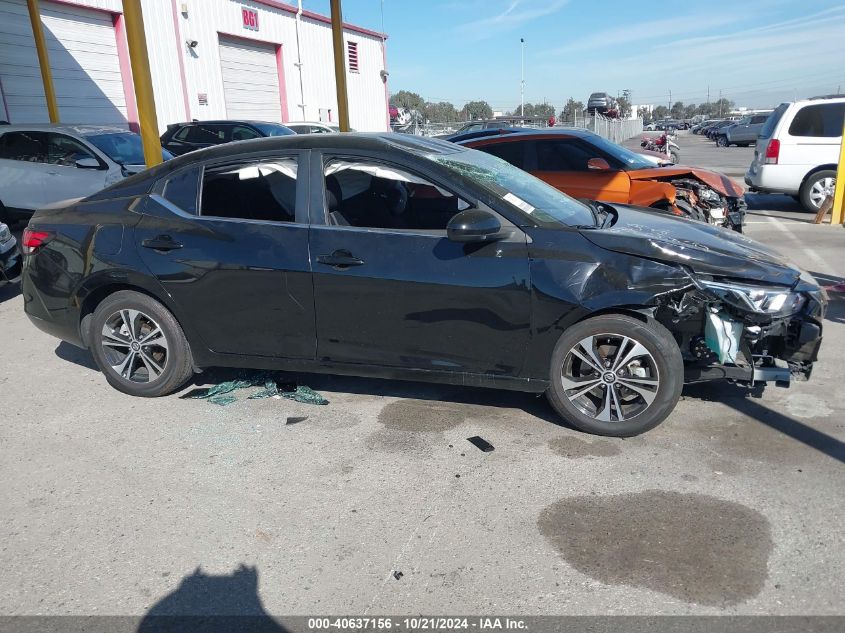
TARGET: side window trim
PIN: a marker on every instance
(319, 215)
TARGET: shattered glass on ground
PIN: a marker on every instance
(271, 388)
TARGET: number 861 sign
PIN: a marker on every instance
(250, 18)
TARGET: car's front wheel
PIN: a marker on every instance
(616, 375)
(722, 141)
(139, 345)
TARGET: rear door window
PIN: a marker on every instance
(205, 134)
(243, 133)
(30, 147)
(251, 190)
(182, 189)
(566, 155)
(769, 129)
(823, 120)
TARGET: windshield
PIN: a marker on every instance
(273, 129)
(542, 203)
(124, 148)
(630, 160)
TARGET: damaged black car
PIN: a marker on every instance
(393, 256)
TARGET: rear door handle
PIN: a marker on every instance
(161, 243)
(340, 259)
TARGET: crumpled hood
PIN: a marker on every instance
(704, 248)
(717, 181)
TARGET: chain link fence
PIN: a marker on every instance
(615, 130)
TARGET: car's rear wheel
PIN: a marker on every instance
(139, 346)
(616, 375)
(816, 188)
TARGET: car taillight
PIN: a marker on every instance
(772, 152)
(31, 240)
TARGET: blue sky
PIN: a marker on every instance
(757, 52)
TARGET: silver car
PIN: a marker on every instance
(43, 164)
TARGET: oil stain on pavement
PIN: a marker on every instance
(694, 547)
(574, 447)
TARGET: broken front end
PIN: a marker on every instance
(704, 203)
(744, 331)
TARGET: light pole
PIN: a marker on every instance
(522, 89)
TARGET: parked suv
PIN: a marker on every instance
(181, 138)
(43, 164)
(798, 150)
(742, 133)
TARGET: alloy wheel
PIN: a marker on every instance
(821, 189)
(134, 346)
(610, 377)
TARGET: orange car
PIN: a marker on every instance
(585, 165)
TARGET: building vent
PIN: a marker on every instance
(352, 53)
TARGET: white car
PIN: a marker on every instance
(797, 150)
(43, 164)
(313, 127)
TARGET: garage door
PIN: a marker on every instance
(83, 57)
(250, 80)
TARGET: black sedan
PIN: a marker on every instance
(181, 138)
(403, 257)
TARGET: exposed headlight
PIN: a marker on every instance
(5, 233)
(757, 299)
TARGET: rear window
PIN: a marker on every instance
(769, 128)
(821, 120)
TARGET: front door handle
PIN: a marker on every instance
(340, 259)
(161, 243)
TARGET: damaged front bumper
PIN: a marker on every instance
(747, 334)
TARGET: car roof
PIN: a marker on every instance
(80, 129)
(323, 123)
(526, 133)
(228, 122)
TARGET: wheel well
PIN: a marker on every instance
(95, 298)
(816, 170)
(640, 313)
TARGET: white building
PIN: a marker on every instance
(209, 59)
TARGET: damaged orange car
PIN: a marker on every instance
(585, 165)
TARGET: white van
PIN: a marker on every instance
(798, 149)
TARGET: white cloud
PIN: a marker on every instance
(513, 15)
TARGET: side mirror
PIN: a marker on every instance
(473, 225)
(88, 163)
(598, 164)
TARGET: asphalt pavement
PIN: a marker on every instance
(377, 504)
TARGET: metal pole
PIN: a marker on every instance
(43, 60)
(838, 212)
(522, 83)
(339, 66)
(140, 62)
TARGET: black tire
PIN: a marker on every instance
(722, 141)
(807, 189)
(174, 352)
(664, 360)
(676, 157)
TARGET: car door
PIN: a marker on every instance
(24, 169)
(228, 241)
(67, 179)
(391, 290)
(563, 164)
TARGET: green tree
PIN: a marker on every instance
(441, 112)
(477, 110)
(406, 99)
(677, 111)
(690, 110)
(644, 114)
(528, 110)
(659, 112)
(544, 110)
(570, 109)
